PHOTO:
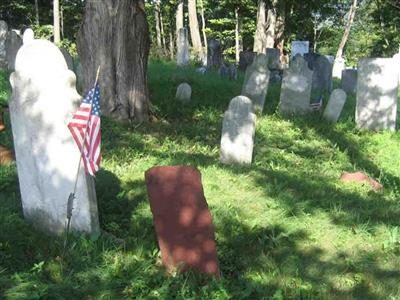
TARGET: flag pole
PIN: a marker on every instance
(71, 196)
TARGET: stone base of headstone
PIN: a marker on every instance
(182, 220)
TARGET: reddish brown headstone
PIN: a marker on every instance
(362, 178)
(182, 220)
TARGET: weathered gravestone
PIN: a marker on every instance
(182, 55)
(349, 81)
(338, 67)
(273, 57)
(377, 86)
(300, 47)
(396, 58)
(28, 36)
(255, 85)
(238, 129)
(228, 71)
(322, 74)
(246, 58)
(13, 43)
(183, 223)
(296, 88)
(68, 58)
(3, 36)
(335, 105)
(183, 92)
(214, 54)
(43, 101)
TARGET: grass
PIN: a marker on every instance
(286, 227)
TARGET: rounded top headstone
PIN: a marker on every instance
(28, 36)
(338, 93)
(241, 104)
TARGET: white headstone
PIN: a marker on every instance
(3, 36)
(335, 105)
(296, 88)
(338, 67)
(43, 101)
(377, 86)
(28, 36)
(238, 132)
(182, 55)
(300, 47)
(184, 92)
(255, 85)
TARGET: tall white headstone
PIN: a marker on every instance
(43, 101)
(300, 47)
(377, 87)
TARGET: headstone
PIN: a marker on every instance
(335, 105)
(43, 101)
(296, 88)
(246, 58)
(238, 129)
(13, 43)
(322, 74)
(79, 76)
(28, 36)
(182, 220)
(3, 36)
(214, 54)
(275, 77)
(182, 56)
(201, 70)
(377, 86)
(228, 71)
(338, 67)
(184, 92)
(330, 58)
(255, 85)
(300, 47)
(273, 57)
(349, 81)
(396, 58)
(68, 58)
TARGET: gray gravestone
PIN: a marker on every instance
(43, 101)
(214, 54)
(338, 67)
(182, 55)
(28, 36)
(296, 88)
(322, 74)
(377, 86)
(68, 58)
(13, 43)
(349, 81)
(255, 85)
(184, 92)
(228, 71)
(273, 57)
(300, 47)
(238, 129)
(246, 58)
(335, 105)
(3, 37)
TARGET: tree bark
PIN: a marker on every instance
(194, 30)
(237, 35)
(346, 33)
(37, 12)
(164, 45)
(179, 17)
(279, 31)
(271, 25)
(260, 38)
(157, 19)
(171, 45)
(203, 24)
(56, 21)
(115, 36)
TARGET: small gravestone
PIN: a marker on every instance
(214, 54)
(43, 101)
(28, 36)
(228, 71)
(184, 92)
(3, 37)
(68, 58)
(201, 70)
(335, 105)
(273, 57)
(338, 67)
(182, 55)
(322, 74)
(255, 85)
(246, 58)
(182, 220)
(349, 81)
(377, 86)
(296, 88)
(300, 47)
(275, 77)
(13, 43)
(238, 129)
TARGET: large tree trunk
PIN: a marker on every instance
(56, 20)
(271, 25)
(157, 19)
(203, 24)
(115, 36)
(37, 12)
(179, 17)
(194, 30)
(237, 35)
(346, 33)
(260, 38)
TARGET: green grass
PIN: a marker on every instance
(286, 227)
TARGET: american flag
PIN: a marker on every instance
(85, 126)
(316, 105)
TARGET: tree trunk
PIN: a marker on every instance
(164, 45)
(56, 20)
(237, 35)
(157, 19)
(179, 17)
(115, 36)
(279, 30)
(37, 12)
(203, 25)
(171, 45)
(271, 23)
(194, 30)
(260, 38)
(346, 33)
